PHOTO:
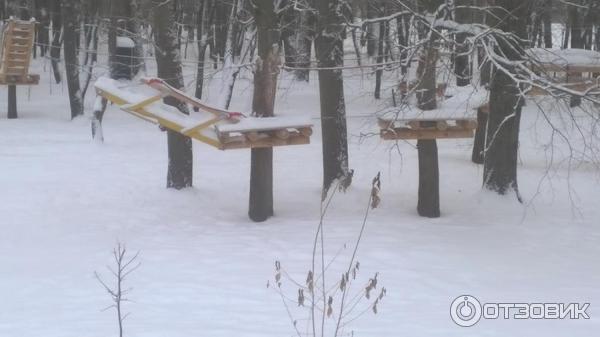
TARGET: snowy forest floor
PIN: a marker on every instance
(65, 201)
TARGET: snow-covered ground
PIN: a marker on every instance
(65, 201)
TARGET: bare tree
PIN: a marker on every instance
(204, 24)
(123, 266)
(332, 306)
(57, 25)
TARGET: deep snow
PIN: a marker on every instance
(66, 200)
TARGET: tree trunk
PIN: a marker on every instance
(265, 86)
(429, 176)
(180, 171)
(70, 13)
(547, 24)
(501, 155)
(372, 34)
(56, 40)
(202, 31)
(577, 40)
(299, 39)
(12, 102)
(329, 47)
(43, 32)
(380, 52)
(462, 66)
(403, 27)
(429, 194)
(429, 190)
(230, 71)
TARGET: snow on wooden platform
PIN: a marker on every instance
(133, 93)
(211, 126)
(462, 105)
(566, 60)
(267, 124)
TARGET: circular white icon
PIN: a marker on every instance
(465, 311)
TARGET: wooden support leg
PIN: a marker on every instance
(261, 185)
(479, 144)
(99, 108)
(429, 177)
(12, 102)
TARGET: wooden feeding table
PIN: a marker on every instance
(435, 128)
(567, 67)
(225, 130)
(15, 57)
(265, 132)
(454, 118)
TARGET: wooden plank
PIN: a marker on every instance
(144, 114)
(407, 134)
(580, 87)
(568, 69)
(6, 79)
(240, 142)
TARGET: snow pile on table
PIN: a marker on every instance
(461, 102)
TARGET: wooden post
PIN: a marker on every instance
(12, 102)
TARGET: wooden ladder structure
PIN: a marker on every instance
(15, 53)
(225, 130)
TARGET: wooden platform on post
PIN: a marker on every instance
(435, 128)
(225, 130)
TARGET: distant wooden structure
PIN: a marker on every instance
(15, 57)
(454, 119)
(567, 67)
(434, 128)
